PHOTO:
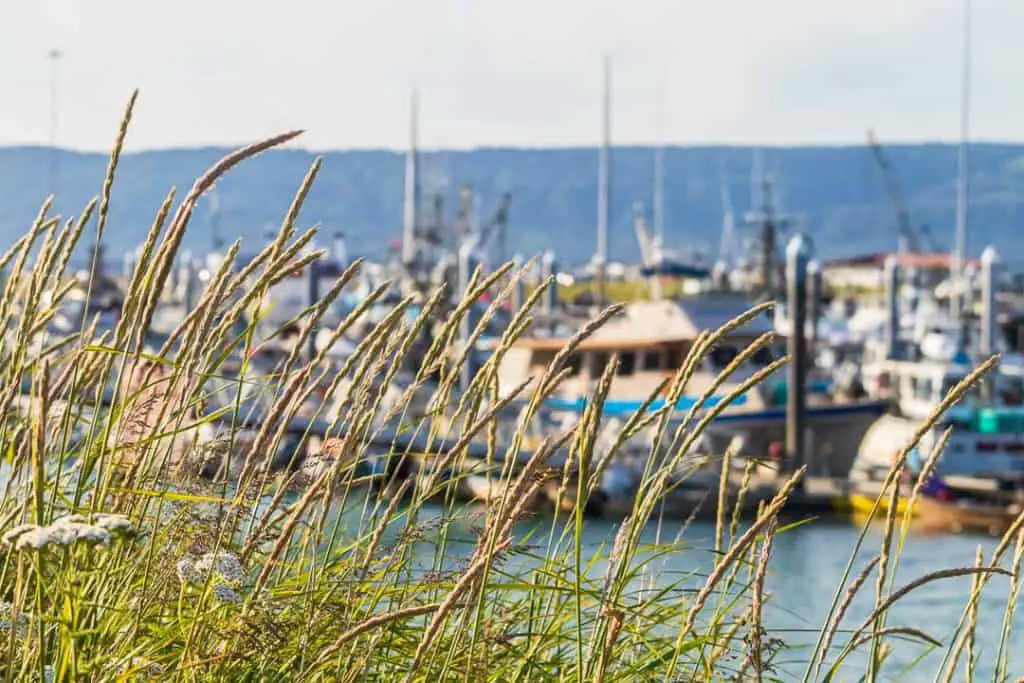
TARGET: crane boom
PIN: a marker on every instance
(906, 231)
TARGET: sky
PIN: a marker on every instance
(506, 73)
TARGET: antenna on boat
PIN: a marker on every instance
(603, 184)
(410, 214)
(960, 248)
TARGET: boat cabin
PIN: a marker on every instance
(652, 340)
(917, 387)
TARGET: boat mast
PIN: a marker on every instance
(725, 247)
(603, 185)
(659, 196)
(959, 259)
(410, 215)
(215, 237)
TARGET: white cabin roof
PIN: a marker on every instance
(644, 323)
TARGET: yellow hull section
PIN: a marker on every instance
(862, 504)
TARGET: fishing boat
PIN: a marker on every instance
(958, 515)
(986, 425)
(652, 339)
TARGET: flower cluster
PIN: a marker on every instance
(227, 569)
(226, 595)
(223, 569)
(68, 531)
(7, 622)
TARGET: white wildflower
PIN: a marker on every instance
(187, 572)
(63, 533)
(6, 621)
(226, 566)
(92, 535)
(113, 523)
(226, 595)
(36, 539)
(208, 512)
(11, 536)
(69, 519)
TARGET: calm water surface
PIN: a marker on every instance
(806, 568)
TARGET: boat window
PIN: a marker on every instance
(575, 363)
(951, 381)
(627, 363)
(676, 355)
(600, 361)
(1012, 391)
(721, 356)
(921, 388)
(652, 360)
(763, 356)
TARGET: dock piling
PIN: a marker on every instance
(466, 266)
(892, 306)
(189, 294)
(798, 255)
(989, 283)
(313, 282)
(339, 250)
(519, 290)
(549, 266)
(815, 288)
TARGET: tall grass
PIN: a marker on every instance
(160, 538)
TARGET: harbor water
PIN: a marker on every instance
(805, 571)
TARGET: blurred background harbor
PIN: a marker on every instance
(880, 255)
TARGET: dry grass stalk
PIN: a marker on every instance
(723, 491)
(737, 511)
(370, 624)
(921, 581)
(757, 601)
(496, 540)
(1011, 606)
(740, 546)
(616, 618)
(895, 631)
(851, 593)
(972, 622)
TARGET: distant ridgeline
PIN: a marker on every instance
(835, 194)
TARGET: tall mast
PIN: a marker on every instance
(215, 237)
(960, 249)
(410, 215)
(725, 248)
(659, 194)
(604, 182)
(658, 200)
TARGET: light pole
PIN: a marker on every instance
(54, 57)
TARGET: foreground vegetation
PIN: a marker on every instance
(120, 563)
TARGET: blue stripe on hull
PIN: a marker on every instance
(624, 407)
(815, 413)
(621, 408)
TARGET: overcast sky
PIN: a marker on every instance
(509, 72)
